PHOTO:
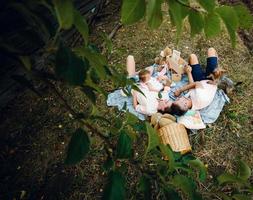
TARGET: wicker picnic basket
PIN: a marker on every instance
(176, 136)
(171, 132)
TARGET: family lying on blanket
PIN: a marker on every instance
(202, 86)
(176, 94)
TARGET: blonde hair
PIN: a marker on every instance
(142, 74)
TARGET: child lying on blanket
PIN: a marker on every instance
(152, 83)
(201, 93)
(150, 87)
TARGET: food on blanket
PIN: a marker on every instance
(160, 64)
(171, 132)
(166, 52)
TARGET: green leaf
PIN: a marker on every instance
(244, 171)
(187, 185)
(145, 187)
(186, 158)
(171, 194)
(241, 197)
(166, 151)
(115, 188)
(132, 11)
(94, 76)
(244, 16)
(108, 42)
(89, 92)
(196, 21)
(96, 60)
(160, 95)
(154, 13)
(153, 140)
(197, 164)
(228, 178)
(78, 147)
(177, 14)
(212, 25)
(135, 87)
(26, 62)
(208, 5)
(230, 19)
(69, 67)
(124, 146)
(64, 12)
(139, 127)
(131, 119)
(81, 25)
(184, 168)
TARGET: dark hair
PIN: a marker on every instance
(166, 110)
(176, 110)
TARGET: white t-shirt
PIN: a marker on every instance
(154, 82)
(202, 96)
(147, 104)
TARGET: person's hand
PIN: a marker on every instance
(198, 85)
(177, 93)
(188, 69)
(159, 78)
(211, 82)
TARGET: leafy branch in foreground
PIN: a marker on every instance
(202, 16)
(84, 67)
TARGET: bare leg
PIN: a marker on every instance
(212, 61)
(196, 73)
(193, 59)
(211, 52)
(130, 65)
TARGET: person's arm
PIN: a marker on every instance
(184, 88)
(151, 88)
(188, 71)
(135, 103)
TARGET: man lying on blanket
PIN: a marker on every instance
(200, 94)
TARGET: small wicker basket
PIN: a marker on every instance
(176, 136)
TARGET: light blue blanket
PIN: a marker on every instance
(208, 114)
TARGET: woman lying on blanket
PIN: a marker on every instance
(201, 92)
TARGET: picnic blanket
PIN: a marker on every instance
(208, 114)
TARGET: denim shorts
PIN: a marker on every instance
(198, 74)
